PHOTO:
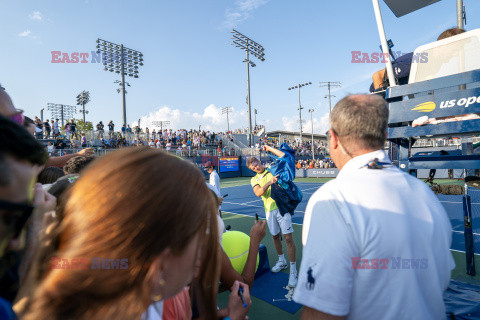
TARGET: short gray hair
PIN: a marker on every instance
(360, 121)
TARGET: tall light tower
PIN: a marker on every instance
(61, 111)
(227, 110)
(311, 119)
(160, 124)
(298, 86)
(41, 114)
(255, 113)
(251, 47)
(123, 60)
(82, 99)
(330, 84)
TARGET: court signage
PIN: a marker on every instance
(228, 164)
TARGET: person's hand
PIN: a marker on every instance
(42, 200)
(264, 147)
(274, 179)
(220, 201)
(86, 152)
(257, 233)
(236, 310)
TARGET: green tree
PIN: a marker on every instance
(82, 126)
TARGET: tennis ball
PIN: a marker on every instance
(236, 245)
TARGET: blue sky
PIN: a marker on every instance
(191, 71)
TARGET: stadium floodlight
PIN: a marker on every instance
(330, 84)
(61, 111)
(82, 99)
(311, 120)
(227, 110)
(119, 59)
(160, 124)
(251, 48)
(298, 86)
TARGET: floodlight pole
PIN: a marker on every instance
(298, 86)
(243, 42)
(62, 114)
(226, 110)
(124, 107)
(255, 114)
(300, 113)
(248, 101)
(329, 85)
(41, 114)
(311, 119)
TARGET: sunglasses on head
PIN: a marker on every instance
(16, 215)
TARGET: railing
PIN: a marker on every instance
(177, 152)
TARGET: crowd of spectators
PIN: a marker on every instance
(315, 164)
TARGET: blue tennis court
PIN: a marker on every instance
(242, 200)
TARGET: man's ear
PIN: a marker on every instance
(333, 141)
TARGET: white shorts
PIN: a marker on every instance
(277, 223)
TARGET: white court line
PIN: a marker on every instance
(243, 204)
(249, 205)
(458, 202)
(254, 200)
(464, 252)
(300, 224)
(247, 215)
(477, 234)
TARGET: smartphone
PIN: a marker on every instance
(256, 216)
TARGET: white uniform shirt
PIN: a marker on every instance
(215, 180)
(375, 214)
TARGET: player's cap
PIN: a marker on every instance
(209, 164)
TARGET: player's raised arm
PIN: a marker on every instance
(276, 152)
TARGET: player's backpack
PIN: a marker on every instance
(285, 193)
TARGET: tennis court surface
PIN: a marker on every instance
(271, 300)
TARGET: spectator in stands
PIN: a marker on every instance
(111, 128)
(83, 141)
(47, 127)
(73, 129)
(100, 130)
(355, 224)
(67, 130)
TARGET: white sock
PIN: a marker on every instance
(281, 257)
(293, 267)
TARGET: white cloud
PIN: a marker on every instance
(36, 15)
(210, 119)
(241, 12)
(26, 33)
(320, 125)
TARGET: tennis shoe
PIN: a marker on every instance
(292, 280)
(280, 265)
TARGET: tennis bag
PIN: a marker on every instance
(285, 193)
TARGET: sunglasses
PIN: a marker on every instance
(16, 216)
(18, 117)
